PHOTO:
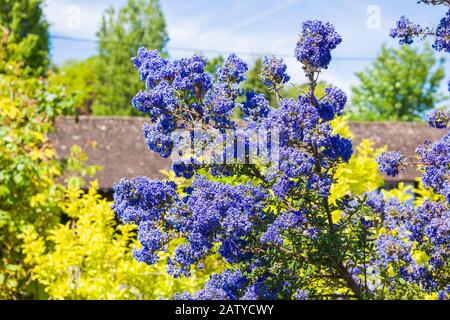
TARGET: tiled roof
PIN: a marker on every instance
(120, 147)
(398, 136)
(122, 152)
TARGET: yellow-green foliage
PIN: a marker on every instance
(340, 126)
(29, 169)
(28, 166)
(361, 173)
(405, 193)
(89, 257)
(402, 192)
(81, 80)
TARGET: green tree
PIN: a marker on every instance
(214, 63)
(28, 39)
(139, 23)
(81, 81)
(400, 85)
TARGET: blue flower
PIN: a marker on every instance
(158, 140)
(219, 104)
(435, 161)
(392, 249)
(390, 162)
(406, 31)
(376, 202)
(273, 71)
(321, 184)
(142, 199)
(151, 237)
(233, 70)
(283, 186)
(284, 221)
(294, 163)
(228, 285)
(151, 66)
(145, 255)
(233, 250)
(316, 42)
(442, 37)
(184, 168)
(339, 148)
(294, 121)
(332, 104)
(272, 235)
(255, 107)
(438, 119)
(158, 101)
(301, 294)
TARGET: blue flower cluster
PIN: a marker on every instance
(144, 202)
(301, 124)
(222, 213)
(430, 222)
(435, 162)
(391, 163)
(233, 70)
(181, 93)
(444, 294)
(229, 285)
(316, 42)
(442, 37)
(406, 31)
(391, 249)
(301, 294)
(142, 199)
(294, 120)
(212, 213)
(283, 222)
(256, 107)
(332, 104)
(438, 119)
(273, 71)
(339, 148)
(425, 228)
(295, 163)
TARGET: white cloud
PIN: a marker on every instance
(260, 15)
(189, 35)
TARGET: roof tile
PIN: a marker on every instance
(122, 152)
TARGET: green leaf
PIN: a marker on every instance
(11, 283)
(13, 267)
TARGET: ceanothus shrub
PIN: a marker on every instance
(275, 228)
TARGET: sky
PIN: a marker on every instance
(251, 28)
